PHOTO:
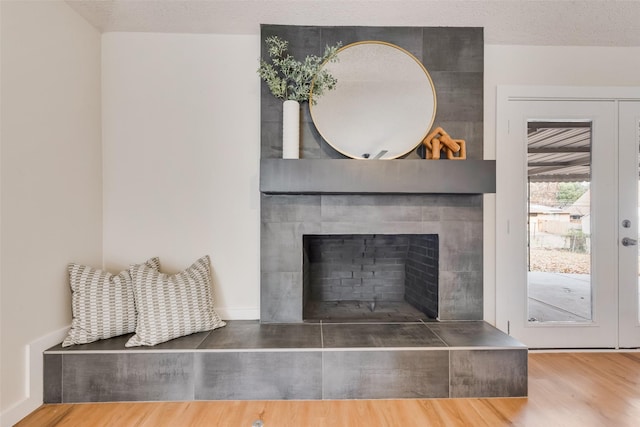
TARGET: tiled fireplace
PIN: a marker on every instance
(456, 220)
(326, 194)
(381, 213)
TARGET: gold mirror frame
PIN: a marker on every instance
(383, 105)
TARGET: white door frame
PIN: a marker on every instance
(505, 253)
(629, 119)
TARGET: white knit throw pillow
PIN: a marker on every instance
(102, 303)
(171, 306)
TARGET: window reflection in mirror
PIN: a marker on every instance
(383, 104)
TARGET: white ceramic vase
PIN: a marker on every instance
(290, 129)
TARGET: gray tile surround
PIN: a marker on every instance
(456, 219)
(248, 360)
(52, 378)
(380, 374)
(258, 375)
(486, 373)
(110, 377)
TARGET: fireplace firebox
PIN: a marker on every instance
(370, 277)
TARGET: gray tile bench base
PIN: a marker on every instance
(247, 360)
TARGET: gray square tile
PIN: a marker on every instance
(288, 208)
(271, 139)
(281, 246)
(374, 208)
(250, 334)
(267, 375)
(52, 378)
(472, 334)
(386, 374)
(364, 227)
(379, 335)
(111, 377)
(470, 131)
(489, 373)
(454, 48)
(460, 295)
(302, 39)
(459, 97)
(462, 235)
(409, 38)
(281, 297)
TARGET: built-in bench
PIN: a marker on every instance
(247, 360)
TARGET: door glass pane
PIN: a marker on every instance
(559, 212)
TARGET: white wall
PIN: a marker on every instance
(542, 66)
(51, 186)
(181, 135)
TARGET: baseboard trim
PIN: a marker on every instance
(34, 378)
(34, 374)
(239, 313)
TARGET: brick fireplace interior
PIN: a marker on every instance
(385, 277)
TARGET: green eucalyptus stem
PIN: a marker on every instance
(290, 79)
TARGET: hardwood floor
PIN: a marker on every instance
(565, 389)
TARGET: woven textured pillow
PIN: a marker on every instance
(171, 306)
(102, 303)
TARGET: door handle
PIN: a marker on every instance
(629, 242)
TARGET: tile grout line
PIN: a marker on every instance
(321, 361)
(294, 350)
(449, 372)
(437, 336)
(448, 355)
(192, 358)
(62, 378)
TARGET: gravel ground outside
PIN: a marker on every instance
(559, 261)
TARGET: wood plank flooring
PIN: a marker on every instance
(565, 389)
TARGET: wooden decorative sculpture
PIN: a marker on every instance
(439, 140)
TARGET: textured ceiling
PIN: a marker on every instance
(531, 22)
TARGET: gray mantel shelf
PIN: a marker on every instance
(338, 176)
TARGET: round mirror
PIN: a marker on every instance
(382, 106)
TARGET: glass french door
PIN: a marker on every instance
(567, 223)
